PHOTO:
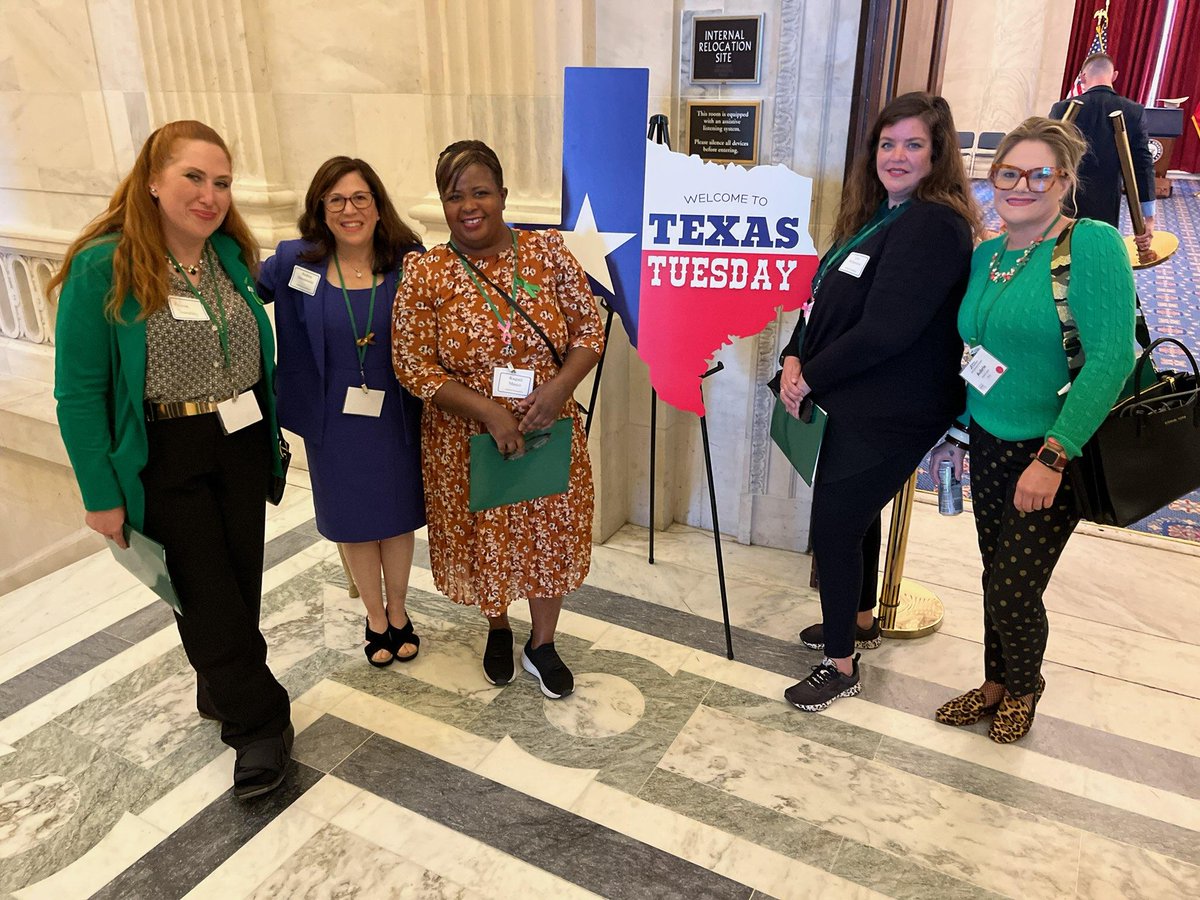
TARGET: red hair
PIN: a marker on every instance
(133, 216)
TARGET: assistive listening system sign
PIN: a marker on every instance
(723, 132)
(726, 48)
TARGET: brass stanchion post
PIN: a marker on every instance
(906, 609)
(351, 587)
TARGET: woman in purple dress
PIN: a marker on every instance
(333, 291)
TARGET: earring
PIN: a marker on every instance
(153, 192)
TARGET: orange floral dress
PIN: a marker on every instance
(443, 330)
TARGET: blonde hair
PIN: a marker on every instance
(1064, 139)
(133, 217)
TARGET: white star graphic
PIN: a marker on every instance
(591, 246)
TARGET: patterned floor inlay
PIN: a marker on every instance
(671, 772)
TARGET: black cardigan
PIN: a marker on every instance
(881, 352)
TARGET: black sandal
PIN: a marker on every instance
(377, 641)
(401, 636)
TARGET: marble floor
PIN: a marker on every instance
(671, 772)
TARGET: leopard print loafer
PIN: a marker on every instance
(1013, 718)
(967, 709)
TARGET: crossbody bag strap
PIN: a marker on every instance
(1060, 277)
(512, 301)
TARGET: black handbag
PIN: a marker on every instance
(1146, 452)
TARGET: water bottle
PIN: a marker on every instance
(950, 501)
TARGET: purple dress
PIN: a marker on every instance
(365, 471)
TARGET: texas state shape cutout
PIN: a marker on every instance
(689, 254)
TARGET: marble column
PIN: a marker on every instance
(503, 85)
(205, 59)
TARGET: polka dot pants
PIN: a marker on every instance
(1019, 553)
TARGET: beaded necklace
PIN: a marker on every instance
(994, 273)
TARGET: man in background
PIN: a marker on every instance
(1100, 182)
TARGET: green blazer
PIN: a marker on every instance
(100, 378)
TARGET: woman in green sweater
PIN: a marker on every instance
(1024, 422)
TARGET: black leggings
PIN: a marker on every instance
(205, 502)
(1019, 553)
(846, 531)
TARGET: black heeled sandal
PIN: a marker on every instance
(377, 641)
(401, 636)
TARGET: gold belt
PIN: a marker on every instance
(175, 409)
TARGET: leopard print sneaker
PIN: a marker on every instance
(967, 709)
(1013, 718)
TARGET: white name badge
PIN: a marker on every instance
(514, 383)
(363, 403)
(304, 280)
(854, 263)
(239, 411)
(186, 309)
(982, 370)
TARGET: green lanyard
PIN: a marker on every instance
(838, 253)
(505, 322)
(360, 343)
(218, 320)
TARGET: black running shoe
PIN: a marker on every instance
(823, 686)
(813, 637)
(498, 666)
(547, 667)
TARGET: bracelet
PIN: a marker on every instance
(956, 443)
(959, 432)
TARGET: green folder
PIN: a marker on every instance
(541, 471)
(146, 560)
(800, 438)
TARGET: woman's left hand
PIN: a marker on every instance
(1036, 488)
(544, 405)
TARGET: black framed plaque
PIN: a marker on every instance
(726, 48)
(721, 131)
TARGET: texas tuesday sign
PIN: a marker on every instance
(721, 247)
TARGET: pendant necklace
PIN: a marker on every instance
(191, 270)
(997, 276)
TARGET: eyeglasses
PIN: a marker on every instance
(1039, 180)
(361, 200)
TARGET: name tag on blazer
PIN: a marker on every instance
(854, 263)
(304, 280)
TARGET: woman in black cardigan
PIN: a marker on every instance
(880, 354)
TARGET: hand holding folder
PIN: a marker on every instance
(800, 438)
(542, 470)
(146, 560)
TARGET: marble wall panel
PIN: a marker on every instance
(43, 35)
(993, 82)
(313, 46)
(43, 129)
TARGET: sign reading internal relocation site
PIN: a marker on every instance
(726, 48)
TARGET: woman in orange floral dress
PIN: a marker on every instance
(453, 329)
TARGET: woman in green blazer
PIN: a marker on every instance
(164, 379)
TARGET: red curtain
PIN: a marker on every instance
(1134, 33)
(1181, 78)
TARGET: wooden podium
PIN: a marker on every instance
(1163, 125)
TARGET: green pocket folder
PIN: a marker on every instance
(542, 471)
(800, 439)
(146, 560)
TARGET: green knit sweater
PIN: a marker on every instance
(1018, 324)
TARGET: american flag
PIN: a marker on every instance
(1099, 44)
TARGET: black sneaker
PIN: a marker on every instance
(823, 686)
(813, 637)
(498, 666)
(547, 667)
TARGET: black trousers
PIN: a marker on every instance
(1019, 553)
(846, 532)
(205, 503)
